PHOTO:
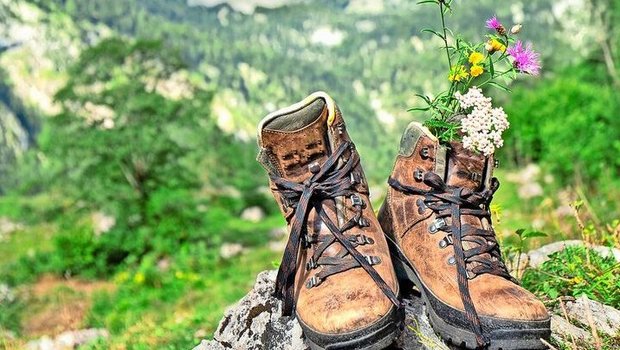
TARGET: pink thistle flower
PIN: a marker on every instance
(526, 60)
(494, 23)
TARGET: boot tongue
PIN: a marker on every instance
(470, 170)
(298, 140)
(465, 168)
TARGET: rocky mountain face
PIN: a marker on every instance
(36, 47)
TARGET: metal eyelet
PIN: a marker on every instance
(443, 244)
(357, 201)
(311, 264)
(314, 167)
(355, 178)
(421, 206)
(340, 127)
(313, 282)
(372, 260)
(451, 260)
(305, 242)
(418, 174)
(475, 177)
(425, 153)
(496, 163)
(362, 239)
(363, 222)
(436, 225)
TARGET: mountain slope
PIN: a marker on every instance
(371, 56)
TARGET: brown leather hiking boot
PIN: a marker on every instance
(336, 274)
(437, 215)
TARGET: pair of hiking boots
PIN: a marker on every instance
(342, 264)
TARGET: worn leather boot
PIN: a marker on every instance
(437, 215)
(336, 274)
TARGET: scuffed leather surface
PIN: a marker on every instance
(492, 295)
(349, 300)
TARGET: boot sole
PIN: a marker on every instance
(377, 336)
(452, 325)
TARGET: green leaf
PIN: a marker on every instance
(499, 86)
(427, 30)
(520, 232)
(491, 66)
(533, 234)
(553, 293)
(424, 97)
(412, 109)
(427, 2)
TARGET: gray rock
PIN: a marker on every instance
(530, 190)
(209, 345)
(7, 227)
(565, 332)
(7, 295)
(256, 322)
(102, 222)
(253, 214)
(517, 264)
(230, 250)
(540, 255)
(68, 340)
(605, 318)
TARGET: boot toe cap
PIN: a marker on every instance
(499, 298)
(343, 304)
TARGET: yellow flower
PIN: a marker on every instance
(121, 277)
(476, 70)
(138, 278)
(494, 45)
(458, 73)
(476, 57)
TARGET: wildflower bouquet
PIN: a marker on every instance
(462, 111)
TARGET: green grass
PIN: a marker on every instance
(26, 241)
(164, 300)
(185, 308)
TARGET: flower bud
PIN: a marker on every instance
(489, 47)
(501, 30)
(516, 29)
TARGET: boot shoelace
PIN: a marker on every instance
(326, 183)
(452, 202)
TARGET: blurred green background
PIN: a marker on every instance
(129, 195)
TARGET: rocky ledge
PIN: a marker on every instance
(256, 322)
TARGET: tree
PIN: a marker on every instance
(131, 140)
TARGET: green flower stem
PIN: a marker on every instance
(445, 33)
(495, 77)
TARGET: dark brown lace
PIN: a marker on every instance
(328, 181)
(452, 202)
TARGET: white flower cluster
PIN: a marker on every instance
(484, 125)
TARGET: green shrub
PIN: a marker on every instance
(158, 164)
(569, 123)
(575, 271)
(10, 313)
